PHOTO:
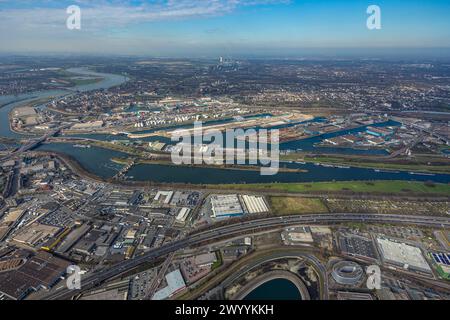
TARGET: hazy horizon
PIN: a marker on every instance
(301, 54)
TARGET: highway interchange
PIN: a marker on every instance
(93, 280)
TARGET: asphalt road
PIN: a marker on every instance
(92, 280)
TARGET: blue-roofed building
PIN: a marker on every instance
(442, 261)
(379, 132)
(175, 283)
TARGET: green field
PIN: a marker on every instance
(292, 205)
(218, 262)
(386, 187)
(419, 166)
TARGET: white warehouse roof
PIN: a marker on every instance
(255, 204)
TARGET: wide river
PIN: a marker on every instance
(9, 102)
(98, 161)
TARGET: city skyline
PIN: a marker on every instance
(225, 27)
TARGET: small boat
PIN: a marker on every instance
(422, 174)
(82, 146)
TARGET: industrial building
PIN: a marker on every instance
(224, 206)
(41, 271)
(379, 132)
(131, 234)
(205, 260)
(295, 235)
(166, 195)
(36, 234)
(255, 204)
(402, 254)
(183, 214)
(88, 125)
(175, 283)
(73, 237)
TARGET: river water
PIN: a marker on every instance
(98, 160)
(308, 144)
(9, 102)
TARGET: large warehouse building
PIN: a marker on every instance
(255, 204)
(403, 254)
(225, 206)
(175, 283)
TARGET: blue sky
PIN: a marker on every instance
(221, 27)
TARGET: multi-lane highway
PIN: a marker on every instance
(242, 228)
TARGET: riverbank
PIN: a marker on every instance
(31, 104)
(339, 161)
(98, 161)
(11, 102)
(381, 163)
(74, 166)
(8, 103)
(398, 189)
(168, 162)
(105, 145)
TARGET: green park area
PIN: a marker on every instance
(420, 164)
